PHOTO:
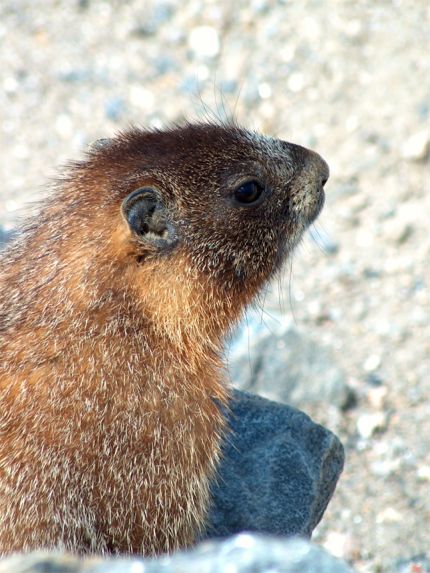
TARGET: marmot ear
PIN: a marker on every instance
(148, 218)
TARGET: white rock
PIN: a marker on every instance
(417, 146)
(389, 515)
(335, 543)
(384, 468)
(141, 97)
(368, 424)
(372, 363)
(64, 125)
(264, 90)
(423, 473)
(296, 82)
(376, 397)
(354, 28)
(10, 85)
(204, 41)
(341, 545)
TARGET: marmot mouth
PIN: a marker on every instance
(318, 206)
(309, 208)
(307, 194)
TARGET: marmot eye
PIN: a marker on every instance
(249, 192)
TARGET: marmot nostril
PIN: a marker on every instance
(324, 181)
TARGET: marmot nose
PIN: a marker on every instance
(319, 167)
(311, 161)
(323, 168)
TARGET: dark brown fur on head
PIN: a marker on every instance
(196, 170)
(114, 303)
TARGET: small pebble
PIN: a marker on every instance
(417, 147)
(190, 85)
(423, 473)
(141, 97)
(342, 545)
(389, 515)
(376, 397)
(373, 362)
(64, 126)
(296, 82)
(114, 108)
(385, 468)
(369, 424)
(204, 42)
(264, 90)
(397, 230)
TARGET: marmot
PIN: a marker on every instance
(114, 304)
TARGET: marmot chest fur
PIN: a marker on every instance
(114, 304)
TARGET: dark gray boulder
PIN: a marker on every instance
(278, 472)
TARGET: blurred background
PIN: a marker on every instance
(352, 81)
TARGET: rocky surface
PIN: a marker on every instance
(272, 356)
(241, 554)
(349, 79)
(278, 472)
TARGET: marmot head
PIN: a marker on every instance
(177, 228)
(234, 202)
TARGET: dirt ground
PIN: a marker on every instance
(349, 79)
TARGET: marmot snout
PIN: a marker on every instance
(114, 304)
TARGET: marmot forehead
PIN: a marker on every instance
(192, 144)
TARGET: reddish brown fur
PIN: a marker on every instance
(111, 373)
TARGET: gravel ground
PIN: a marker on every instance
(349, 79)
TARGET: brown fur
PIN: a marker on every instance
(110, 349)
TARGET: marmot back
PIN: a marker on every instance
(114, 304)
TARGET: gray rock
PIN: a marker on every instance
(115, 108)
(278, 473)
(75, 75)
(163, 65)
(5, 236)
(241, 554)
(190, 85)
(154, 17)
(272, 357)
(398, 230)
